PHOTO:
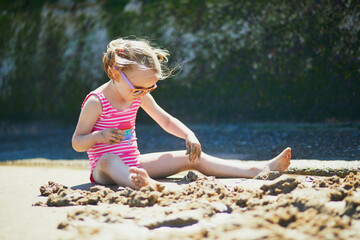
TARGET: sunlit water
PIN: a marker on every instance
(242, 141)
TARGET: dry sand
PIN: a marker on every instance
(290, 207)
(19, 189)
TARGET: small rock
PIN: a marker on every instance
(63, 225)
(190, 177)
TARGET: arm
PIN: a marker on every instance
(172, 125)
(83, 139)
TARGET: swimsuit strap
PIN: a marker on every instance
(101, 97)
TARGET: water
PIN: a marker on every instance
(259, 141)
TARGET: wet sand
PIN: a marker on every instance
(289, 207)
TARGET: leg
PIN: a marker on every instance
(111, 169)
(160, 165)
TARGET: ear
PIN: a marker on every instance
(114, 73)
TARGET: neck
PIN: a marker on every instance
(114, 91)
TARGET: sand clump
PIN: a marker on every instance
(288, 207)
(268, 175)
(280, 187)
(50, 188)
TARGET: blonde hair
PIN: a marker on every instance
(126, 53)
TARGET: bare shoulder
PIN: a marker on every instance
(93, 104)
(89, 114)
(147, 101)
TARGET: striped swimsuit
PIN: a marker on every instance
(110, 117)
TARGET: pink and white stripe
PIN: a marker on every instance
(111, 118)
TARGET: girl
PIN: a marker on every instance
(106, 125)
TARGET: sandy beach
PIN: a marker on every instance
(20, 189)
(293, 206)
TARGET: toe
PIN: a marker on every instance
(132, 176)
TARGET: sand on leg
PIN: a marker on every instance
(163, 164)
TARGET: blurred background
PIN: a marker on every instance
(242, 61)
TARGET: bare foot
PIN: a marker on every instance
(141, 179)
(281, 162)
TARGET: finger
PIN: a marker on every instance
(115, 138)
(193, 148)
(192, 157)
(117, 132)
(190, 154)
(119, 137)
(187, 149)
(196, 152)
(114, 131)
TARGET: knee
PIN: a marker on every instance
(197, 163)
(107, 161)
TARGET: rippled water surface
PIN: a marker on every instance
(243, 141)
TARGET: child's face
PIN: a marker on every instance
(139, 82)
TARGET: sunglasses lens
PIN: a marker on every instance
(137, 92)
(153, 88)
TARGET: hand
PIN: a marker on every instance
(193, 148)
(111, 136)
